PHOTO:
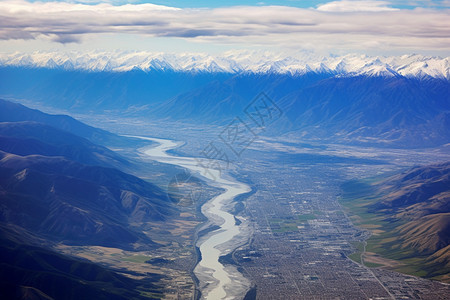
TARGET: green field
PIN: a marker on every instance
(151, 295)
(137, 258)
(372, 265)
(289, 225)
(357, 255)
(306, 217)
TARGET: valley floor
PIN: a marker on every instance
(302, 239)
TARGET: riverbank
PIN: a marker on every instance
(216, 281)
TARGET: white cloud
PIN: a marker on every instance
(356, 6)
(266, 25)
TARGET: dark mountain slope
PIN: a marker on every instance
(14, 112)
(32, 272)
(57, 188)
(419, 191)
(26, 138)
(79, 204)
(411, 212)
(429, 233)
(384, 111)
(62, 187)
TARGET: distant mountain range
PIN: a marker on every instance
(410, 216)
(237, 62)
(377, 101)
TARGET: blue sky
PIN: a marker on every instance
(340, 27)
(403, 4)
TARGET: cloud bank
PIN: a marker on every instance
(356, 6)
(334, 25)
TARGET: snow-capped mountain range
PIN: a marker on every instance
(237, 62)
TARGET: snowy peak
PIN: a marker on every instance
(237, 62)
